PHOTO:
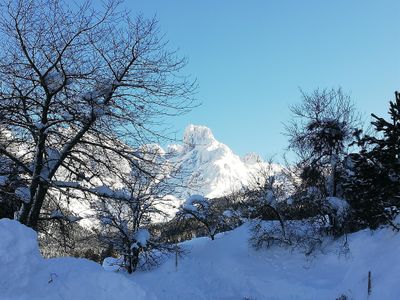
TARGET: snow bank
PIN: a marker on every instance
(24, 274)
(228, 268)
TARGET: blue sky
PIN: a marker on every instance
(251, 57)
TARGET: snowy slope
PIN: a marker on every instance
(228, 269)
(211, 165)
(25, 275)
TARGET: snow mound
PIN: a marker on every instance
(24, 274)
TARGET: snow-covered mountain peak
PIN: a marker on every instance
(212, 165)
(196, 135)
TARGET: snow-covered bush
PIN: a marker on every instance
(338, 212)
(123, 232)
(285, 213)
(206, 212)
(305, 235)
(311, 202)
(299, 220)
(260, 200)
(127, 215)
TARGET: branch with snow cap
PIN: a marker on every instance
(205, 212)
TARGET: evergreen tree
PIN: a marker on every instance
(374, 174)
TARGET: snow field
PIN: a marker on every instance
(228, 268)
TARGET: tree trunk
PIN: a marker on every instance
(25, 209)
(128, 263)
(36, 207)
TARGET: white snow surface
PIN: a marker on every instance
(24, 274)
(228, 268)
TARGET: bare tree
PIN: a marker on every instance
(81, 85)
(263, 194)
(319, 133)
(126, 219)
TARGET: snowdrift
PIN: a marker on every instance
(24, 274)
(228, 268)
